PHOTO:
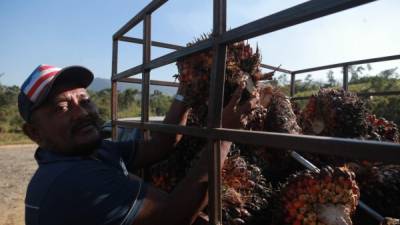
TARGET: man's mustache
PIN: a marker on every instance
(89, 120)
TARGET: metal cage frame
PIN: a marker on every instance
(373, 150)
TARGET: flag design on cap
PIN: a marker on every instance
(36, 83)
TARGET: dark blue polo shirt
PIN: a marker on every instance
(88, 191)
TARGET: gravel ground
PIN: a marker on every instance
(17, 166)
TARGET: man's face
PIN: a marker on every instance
(68, 122)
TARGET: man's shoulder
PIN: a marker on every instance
(46, 175)
(79, 188)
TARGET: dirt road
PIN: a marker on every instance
(17, 166)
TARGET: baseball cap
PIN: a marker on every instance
(36, 88)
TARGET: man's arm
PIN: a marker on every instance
(184, 204)
(162, 144)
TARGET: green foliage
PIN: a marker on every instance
(9, 115)
(159, 103)
(129, 103)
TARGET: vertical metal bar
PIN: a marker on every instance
(292, 84)
(215, 110)
(146, 73)
(346, 77)
(114, 90)
(146, 83)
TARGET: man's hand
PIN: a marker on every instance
(233, 112)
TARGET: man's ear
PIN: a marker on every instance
(32, 132)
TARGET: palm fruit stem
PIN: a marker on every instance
(312, 167)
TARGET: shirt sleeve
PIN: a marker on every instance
(92, 194)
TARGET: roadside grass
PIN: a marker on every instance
(8, 138)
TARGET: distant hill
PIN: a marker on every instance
(101, 83)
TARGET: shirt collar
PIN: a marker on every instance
(44, 156)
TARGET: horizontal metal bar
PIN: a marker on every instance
(275, 68)
(153, 43)
(345, 147)
(166, 59)
(350, 63)
(350, 148)
(165, 128)
(150, 8)
(152, 82)
(129, 72)
(383, 93)
(295, 15)
(300, 98)
(361, 94)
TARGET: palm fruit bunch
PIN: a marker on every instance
(245, 192)
(329, 197)
(167, 173)
(382, 130)
(242, 63)
(390, 221)
(281, 117)
(276, 164)
(337, 113)
(380, 187)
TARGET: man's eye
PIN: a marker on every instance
(62, 107)
(85, 101)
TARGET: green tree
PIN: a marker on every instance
(331, 79)
(159, 103)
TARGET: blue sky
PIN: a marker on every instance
(79, 32)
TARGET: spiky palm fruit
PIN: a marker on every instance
(336, 113)
(382, 130)
(320, 198)
(281, 117)
(167, 174)
(245, 192)
(241, 63)
(390, 221)
(379, 186)
(275, 163)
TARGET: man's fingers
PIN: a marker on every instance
(237, 94)
(249, 105)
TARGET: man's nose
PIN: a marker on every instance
(79, 111)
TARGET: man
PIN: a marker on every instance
(83, 179)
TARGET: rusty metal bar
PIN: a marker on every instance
(286, 18)
(153, 43)
(275, 68)
(151, 7)
(152, 82)
(349, 63)
(114, 90)
(165, 128)
(346, 77)
(215, 111)
(292, 84)
(295, 15)
(361, 94)
(146, 73)
(300, 98)
(383, 93)
(345, 147)
(166, 59)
